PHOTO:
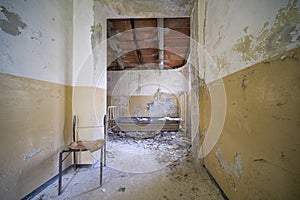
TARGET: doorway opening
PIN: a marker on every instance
(147, 93)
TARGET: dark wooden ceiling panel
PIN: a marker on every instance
(177, 33)
(137, 41)
(141, 23)
(178, 42)
(177, 23)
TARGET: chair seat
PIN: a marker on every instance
(81, 145)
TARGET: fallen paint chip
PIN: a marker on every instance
(31, 154)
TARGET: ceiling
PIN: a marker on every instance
(147, 43)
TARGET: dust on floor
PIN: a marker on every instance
(166, 177)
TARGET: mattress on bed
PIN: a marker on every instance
(127, 124)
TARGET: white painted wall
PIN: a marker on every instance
(42, 49)
(145, 82)
(83, 64)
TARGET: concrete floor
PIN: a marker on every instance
(166, 179)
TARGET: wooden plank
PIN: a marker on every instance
(149, 51)
(170, 56)
(177, 50)
(142, 35)
(177, 33)
(139, 23)
(175, 63)
(178, 42)
(145, 44)
(121, 25)
(177, 23)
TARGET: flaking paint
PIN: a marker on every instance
(260, 133)
(36, 123)
(284, 32)
(12, 23)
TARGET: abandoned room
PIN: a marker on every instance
(150, 99)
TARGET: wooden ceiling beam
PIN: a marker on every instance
(138, 53)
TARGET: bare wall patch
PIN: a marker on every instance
(31, 154)
(234, 168)
(271, 40)
(12, 23)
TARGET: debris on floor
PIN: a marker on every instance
(169, 146)
(174, 180)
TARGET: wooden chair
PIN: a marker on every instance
(79, 146)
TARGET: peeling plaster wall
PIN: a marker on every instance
(241, 33)
(252, 49)
(197, 50)
(36, 96)
(40, 49)
(124, 85)
(145, 82)
(147, 9)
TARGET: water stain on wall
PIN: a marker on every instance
(12, 23)
(271, 39)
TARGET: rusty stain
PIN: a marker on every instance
(271, 39)
(12, 24)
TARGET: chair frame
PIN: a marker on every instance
(69, 151)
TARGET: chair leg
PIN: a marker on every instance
(60, 172)
(101, 166)
(74, 161)
(105, 139)
(104, 153)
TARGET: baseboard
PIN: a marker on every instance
(50, 181)
(215, 182)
